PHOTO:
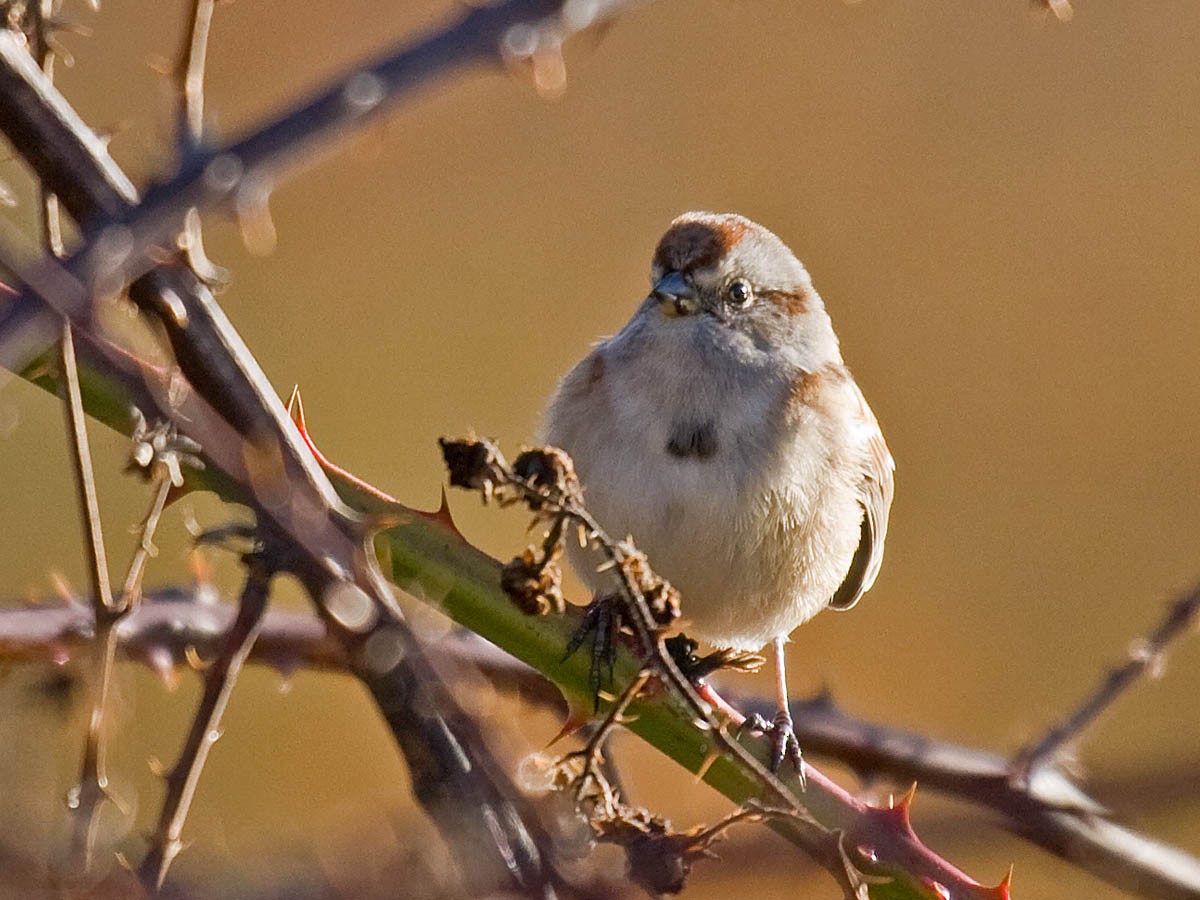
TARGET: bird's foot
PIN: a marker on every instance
(784, 744)
(683, 650)
(601, 620)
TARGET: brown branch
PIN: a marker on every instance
(168, 626)
(219, 679)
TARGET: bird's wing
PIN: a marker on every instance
(875, 494)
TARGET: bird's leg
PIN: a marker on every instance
(781, 731)
(783, 734)
(601, 620)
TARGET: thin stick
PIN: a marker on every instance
(592, 771)
(190, 75)
(1182, 616)
(92, 790)
(131, 593)
(189, 85)
(85, 477)
(219, 679)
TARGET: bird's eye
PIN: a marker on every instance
(740, 293)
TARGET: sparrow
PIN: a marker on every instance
(721, 430)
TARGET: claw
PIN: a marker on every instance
(784, 744)
(601, 622)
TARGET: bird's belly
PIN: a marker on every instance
(751, 561)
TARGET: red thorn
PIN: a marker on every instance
(295, 408)
(936, 888)
(574, 722)
(896, 813)
(336, 473)
(443, 517)
(1002, 891)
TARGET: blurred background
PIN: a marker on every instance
(1001, 212)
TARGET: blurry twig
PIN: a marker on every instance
(240, 176)
(189, 84)
(169, 626)
(1146, 658)
(189, 76)
(91, 792)
(219, 679)
(1060, 9)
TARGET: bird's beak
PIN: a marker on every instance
(675, 296)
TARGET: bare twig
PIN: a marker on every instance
(168, 626)
(189, 82)
(219, 679)
(131, 592)
(91, 792)
(1146, 658)
(189, 74)
(85, 479)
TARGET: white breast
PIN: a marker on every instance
(756, 537)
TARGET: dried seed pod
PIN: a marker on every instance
(472, 464)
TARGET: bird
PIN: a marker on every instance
(722, 431)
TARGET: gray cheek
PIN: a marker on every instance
(692, 439)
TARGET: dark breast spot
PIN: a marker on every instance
(692, 439)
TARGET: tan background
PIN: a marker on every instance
(1001, 213)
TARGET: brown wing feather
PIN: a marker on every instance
(875, 495)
